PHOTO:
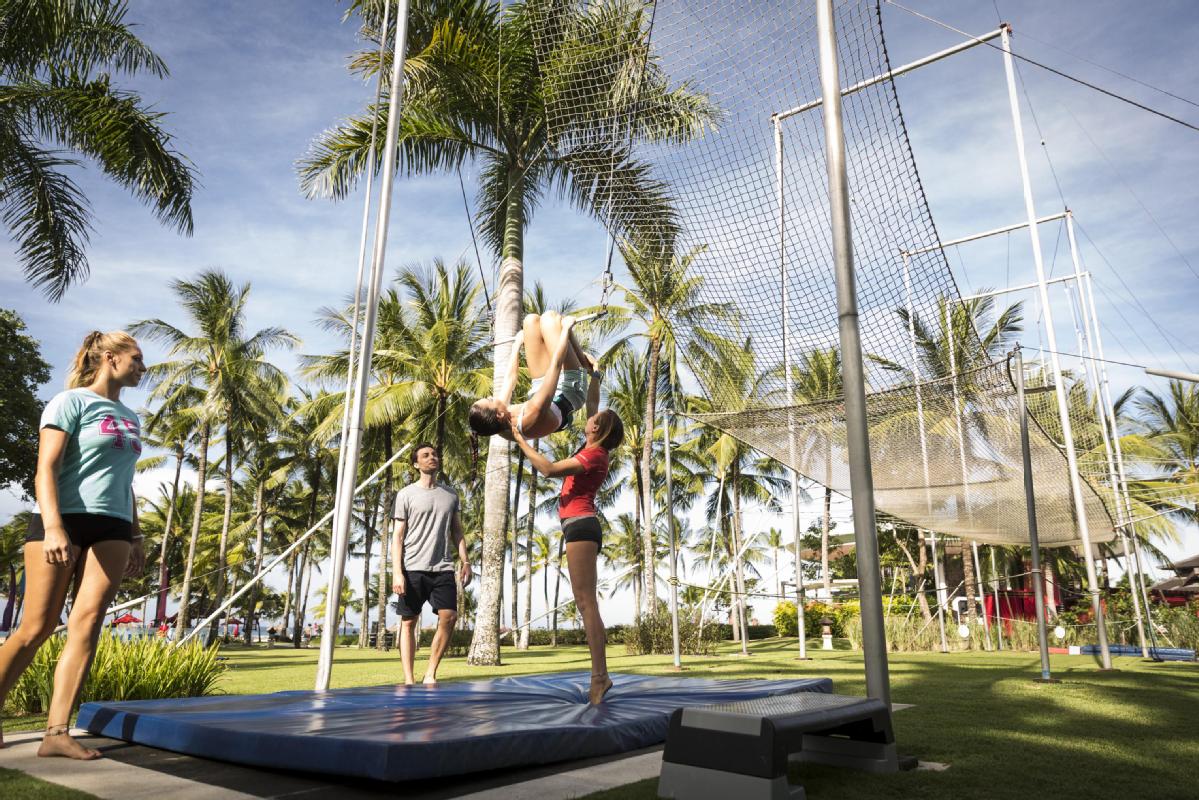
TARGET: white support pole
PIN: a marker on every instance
(1080, 510)
(1086, 332)
(1025, 287)
(346, 476)
(995, 594)
(861, 481)
(895, 73)
(789, 395)
(320, 523)
(674, 558)
(352, 351)
(985, 234)
(917, 380)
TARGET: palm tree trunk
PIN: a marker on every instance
(738, 557)
(638, 521)
(647, 447)
(513, 565)
(485, 644)
(291, 578)
(384, 590)
(181, 620)
(968, 579)
(223, 547)
(528, 617)
(557, 592)
(301, 596)
(260, 526)
(164, 570)
(371, 528)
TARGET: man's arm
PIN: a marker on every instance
(513, 368)
(459, 537)
(397, 556)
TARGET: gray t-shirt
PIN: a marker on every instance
(428, 544)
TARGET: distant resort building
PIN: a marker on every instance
(1183, 587)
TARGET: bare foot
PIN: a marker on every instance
(61, 744)
(600, 684)
(430, 682)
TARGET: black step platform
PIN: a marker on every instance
(741, 749)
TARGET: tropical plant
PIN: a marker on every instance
(57, 62)
(483, 81)
(241, 388)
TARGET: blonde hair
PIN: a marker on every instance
(91, 353)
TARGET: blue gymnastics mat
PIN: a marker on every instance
(397, 733)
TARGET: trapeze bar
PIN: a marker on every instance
(996, 292)
(1189, 377)
(808, 106)
(984, 235)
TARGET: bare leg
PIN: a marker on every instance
(408, 628)
(46, 589)
(537, 351)
(441, 640)
(102, 569)
(580, 561)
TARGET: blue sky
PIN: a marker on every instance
(252, 83)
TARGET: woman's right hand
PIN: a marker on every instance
(57, 547)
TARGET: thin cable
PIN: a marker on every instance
(1128, 188)
(1137, 302)
(1123, 75)
(1057, 72)
(474, 241)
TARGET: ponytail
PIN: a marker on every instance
(87, 362)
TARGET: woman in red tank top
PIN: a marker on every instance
(584, 472)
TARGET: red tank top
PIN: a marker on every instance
(578, 491)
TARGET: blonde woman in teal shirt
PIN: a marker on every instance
(86, 528)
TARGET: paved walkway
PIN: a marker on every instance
(133, 772)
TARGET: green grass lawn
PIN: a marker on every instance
(1133, 732)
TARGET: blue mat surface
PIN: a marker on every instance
(397, 733)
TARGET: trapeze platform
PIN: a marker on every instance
(398, 733)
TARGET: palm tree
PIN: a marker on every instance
(56, 66)
(818, 379)
(775, 541)
(239, 385)
(666, 297)
(488, 83)
(170, 428)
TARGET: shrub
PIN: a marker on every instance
(786, 619)
(141, 669)
(652, 634)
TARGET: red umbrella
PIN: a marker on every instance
(125, 619)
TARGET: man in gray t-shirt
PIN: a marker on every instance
(428, 530)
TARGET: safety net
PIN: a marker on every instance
(692, 125)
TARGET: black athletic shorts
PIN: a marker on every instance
(84, 530)
(583, 529)
(435, 588)
(568, 412)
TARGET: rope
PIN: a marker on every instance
(1053, 70)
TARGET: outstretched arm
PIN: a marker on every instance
(555, 469)
(513, 368)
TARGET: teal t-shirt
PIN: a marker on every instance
(96, 476)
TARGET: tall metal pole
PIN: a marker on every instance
(1080, 510)
(674, 573)
(1030, 506)
(1098, 379)
(352, 351)
(345, 477)
(861, 482)
(917, 375)
(789, 397)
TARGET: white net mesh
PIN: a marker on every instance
(697, 86)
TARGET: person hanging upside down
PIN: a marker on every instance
(584, 473)
(562, 376)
